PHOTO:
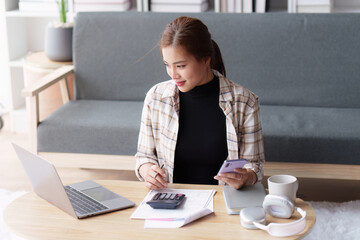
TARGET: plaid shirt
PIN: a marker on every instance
(160, 124)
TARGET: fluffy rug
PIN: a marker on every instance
(333, 220)
(7, 197)
(336, 221)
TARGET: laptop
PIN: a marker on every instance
(80, 200)
(248, 196)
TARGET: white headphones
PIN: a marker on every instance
(276, 206)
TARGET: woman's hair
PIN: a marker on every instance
(194, 35)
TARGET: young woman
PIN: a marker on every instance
(195, 121)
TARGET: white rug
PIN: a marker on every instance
(336, 221)
(7, 197)
(333, 220)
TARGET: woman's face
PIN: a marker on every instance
(184, 69)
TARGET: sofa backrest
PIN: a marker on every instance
(286, 59)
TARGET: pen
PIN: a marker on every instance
(157, 172)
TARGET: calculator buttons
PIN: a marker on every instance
(156, 197)
(162, 196)
(167, 196)
(166, 200)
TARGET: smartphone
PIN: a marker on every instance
(228, 166)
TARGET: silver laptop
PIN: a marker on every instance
(80, 200)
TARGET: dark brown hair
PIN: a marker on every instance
(194, 35)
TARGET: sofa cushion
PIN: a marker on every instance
(92, 126)
(311, 134)
(286, 59)
(107, 49)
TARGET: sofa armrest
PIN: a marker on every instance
(47, 81)
(32, 98)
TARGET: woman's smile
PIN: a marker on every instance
(180, 83)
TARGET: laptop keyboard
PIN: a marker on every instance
(82, 203)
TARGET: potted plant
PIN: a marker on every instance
(58, 36)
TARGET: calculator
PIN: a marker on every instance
(166, 200)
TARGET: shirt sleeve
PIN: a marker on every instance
(146, 151)
(251, 146)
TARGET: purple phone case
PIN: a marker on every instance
(230, 165)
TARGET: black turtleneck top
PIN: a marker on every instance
(201, 145)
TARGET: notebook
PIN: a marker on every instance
(248, 196)
(80, 200)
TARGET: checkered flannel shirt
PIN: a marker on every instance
(160, 124)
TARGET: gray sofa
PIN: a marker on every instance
(305, 68)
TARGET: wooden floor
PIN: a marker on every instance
(12, 174)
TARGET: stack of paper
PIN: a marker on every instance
(38, 6)
(101, 6)
(198, 203)
(314, 6)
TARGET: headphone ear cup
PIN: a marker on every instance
(278, 206)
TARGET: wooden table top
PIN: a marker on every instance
(40, 60)
(31, 217)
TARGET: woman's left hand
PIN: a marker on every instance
(239, 178)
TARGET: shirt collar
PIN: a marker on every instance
(225, 88)
(171, 90)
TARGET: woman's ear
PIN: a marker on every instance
(207, 61)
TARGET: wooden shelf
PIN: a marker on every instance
(17, 63)
(17, 13)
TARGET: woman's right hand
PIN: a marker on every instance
(153, 175)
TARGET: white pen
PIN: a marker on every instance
(157, 172)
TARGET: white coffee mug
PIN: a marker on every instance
(283, 185)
